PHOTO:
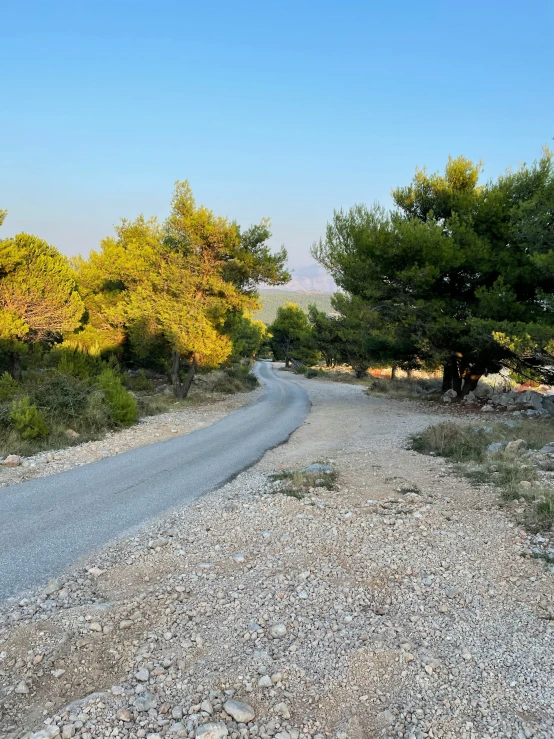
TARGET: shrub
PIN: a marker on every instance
(456, 441)
(8, 387)
(237, 379)
(123, 406)
(96, 414)
(78, 364)
(138, 383)
(28, 420)
(62, 398)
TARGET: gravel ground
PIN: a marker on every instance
(149, 430)
(397, 605)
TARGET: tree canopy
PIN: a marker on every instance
(459, 273)
(291, 336)
(174, 287)
(39, 299)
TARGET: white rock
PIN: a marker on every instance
(22, 688)
(49, 733)
(52, 587)
(212, 731)
(142, 675)
(12, 460)
(281, 709)
(278, 631)
(241, 712)
(265, 682)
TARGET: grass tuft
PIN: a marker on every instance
(514, 471)
(298, 482)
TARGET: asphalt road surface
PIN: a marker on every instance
(48, 523)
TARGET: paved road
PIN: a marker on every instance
(47, 523)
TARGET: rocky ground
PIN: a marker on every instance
(203, 411)
(396, 605)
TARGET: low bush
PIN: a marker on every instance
(123, 406)
(139, 383)
(236, 379)
(76, 363)
(9, 387)
(312, 372)
(404, 387)
(62, 398)
(28, 420)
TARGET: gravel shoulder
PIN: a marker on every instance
(149, 430)
(396, 605)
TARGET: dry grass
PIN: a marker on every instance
(297, 483)
(514, 472)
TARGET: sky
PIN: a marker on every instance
(280, 109)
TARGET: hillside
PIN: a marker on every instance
(273, 299)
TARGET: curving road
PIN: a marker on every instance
(47, 523)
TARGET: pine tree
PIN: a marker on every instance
(38, 296)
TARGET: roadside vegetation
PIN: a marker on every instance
(90, 344)
(456, 279)
(299, 483)
(50, 409)
(513, 456)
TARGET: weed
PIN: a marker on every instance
(298, 482)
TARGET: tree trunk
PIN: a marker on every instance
(175, 374)
(409, 374)
(451, 379)
(15, 366)
(472, 375)
(393, 372)
(446, 377)
(190, 376)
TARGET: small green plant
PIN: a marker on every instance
(140, 383)
(456, 441)
(312, 372)
(9, 387)
(28, 420)
(298, 482)
(123, 406)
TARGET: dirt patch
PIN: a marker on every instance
(395, 605)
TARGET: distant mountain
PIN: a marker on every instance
(273, 299)
(312, 278)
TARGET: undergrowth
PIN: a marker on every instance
(514, 471)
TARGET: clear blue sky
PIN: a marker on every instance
(281, 109)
